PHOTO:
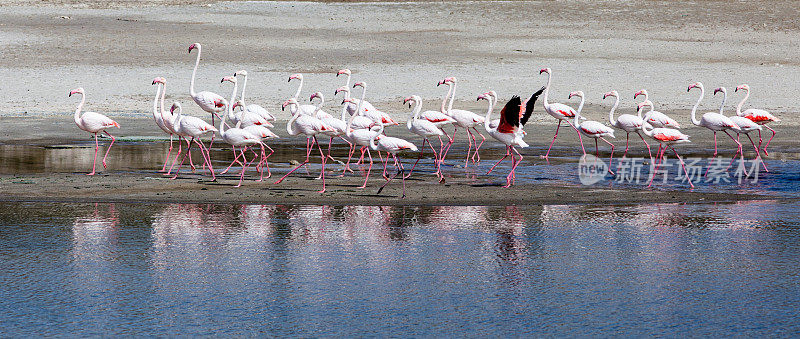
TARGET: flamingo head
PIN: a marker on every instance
(611, 94)
(343, 71)
(316, 95)
(297, 76)
(483, 96)
(576, 94)
(242, 72)
(291, 101)
(175, 106)
(341, 89)
(231, 79)
(159, 80)
(720, 89)
(239, 104)
(545, 70)
(78, 90)
(347, 100)
(640, 92)
(644, 104)
(359, 84)
(447, 81)
(695, 85)
(193, 46)
(743, 87)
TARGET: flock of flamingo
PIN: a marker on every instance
(246, 126)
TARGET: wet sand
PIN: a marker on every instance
(115, 49)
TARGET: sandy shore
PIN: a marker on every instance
(115, 49)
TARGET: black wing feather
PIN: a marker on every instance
(529, 106)
(510, 113)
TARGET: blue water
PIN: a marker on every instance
(141, 269)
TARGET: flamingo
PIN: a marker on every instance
(392, 145)
(254, 108)
(208, 101)
(306, 109)
(507, 131)
(657, 119)
(158, 117)
(191, 127)
(263, 133)
(464, 119)
(424, 128)
(338, 127)
(248, 118)
(351, 108)
(745, 125)
(559, 111)
(758, 116)
(712, 120)
(310, 126)
(93, 123)
(666, 137)
(359, 122)
(593, 129)
(627, 122)
(373, 114)
(362, 138)
(237, 137)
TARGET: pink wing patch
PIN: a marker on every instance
(566, 114)
(758, 118)
(664, 137)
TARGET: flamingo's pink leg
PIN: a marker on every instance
(646, 144)
(323, 159)
(508, 177)
(508, 152)
(659, 157)
(244, 167)
(547, 155)
(421, 150)
(435, 161)
(758, 154)
(206, 158)
(169, 152)
(768, 141)
(188, 151)
(580, 138)
(180, 149)
(266, 160)
(235, 160)
(385, 164)
(96, 149)
(109, 148)
(448, 145)
(470, 138)
(611, 158)
(715, 143)
(627, 138)
(350, 152)
(368, 170)
(739, 150)
(477, 154)
(684, 166)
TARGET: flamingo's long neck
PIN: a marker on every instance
(176, 118)
(319, 107)
(614, 108)
(694, 109)
(344, 106)
(244, 87)
(299, 88)
(741, 103)
(363, 95)
(229, 109)
(374, 136)
(414, 113)
(78, 111)
(578, 113)
(290, 128)
(446, 97)
(163, 94)
(645, 124)
(347, 85)
(156, 113)
(547, 89)
(488, 115)
(722, 105)
(194, 72)
(452, 98)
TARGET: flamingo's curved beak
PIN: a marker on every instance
(717, 90)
